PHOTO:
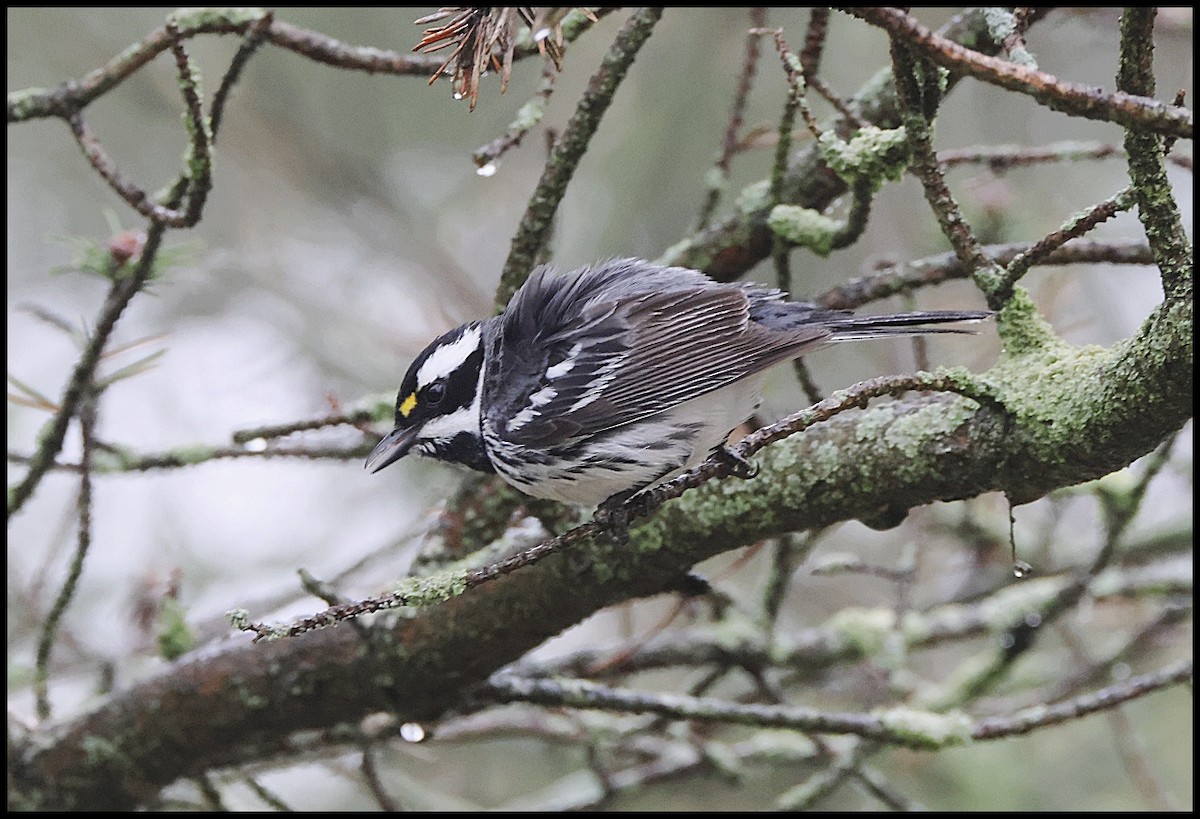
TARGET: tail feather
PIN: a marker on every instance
(855, 328)
(845, 326)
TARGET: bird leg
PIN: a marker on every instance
(738, 466)
(613, 516)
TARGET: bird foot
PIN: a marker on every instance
(738, 466)
(612, 517)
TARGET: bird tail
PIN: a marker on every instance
(843, 325)
(846, 327)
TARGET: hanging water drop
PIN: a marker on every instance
(487, 169)
(1021, 569)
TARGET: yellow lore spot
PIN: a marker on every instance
(406, 406)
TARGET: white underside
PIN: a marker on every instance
(659, 448)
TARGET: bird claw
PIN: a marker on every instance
(738, 466)
(615, 524)
(613, 518)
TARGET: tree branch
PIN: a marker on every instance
(1129, 109)
(732, 246)
(1064, 421)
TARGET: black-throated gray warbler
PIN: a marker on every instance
(593, 385)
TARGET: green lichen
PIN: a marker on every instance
(1002, 28)
(781, 745)
(963, 683)
(754, 198)
(1045, 389)
(529, 114)
(724, 760)
(420, 592)
(796, 471)
(190, 456)
(1054, 392)
(26, 103)
(239, 619)
(910, 431)
(864, 629)
(734, 633)
(804, 227)
(106, 753)
(1022, 328)
(926, 729)
(199, 19)
(907, 437)
(715, 180)
(1013, 603)
(872, 424)
(801, 796)
(874, 154)
(175, 638)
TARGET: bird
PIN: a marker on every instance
(593, 385)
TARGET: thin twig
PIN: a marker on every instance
(904, 278)
(72, 96)
(123, 290)
(944, 731)
(741, 97)
(1040, 716)
(538, 218)
(1129, 109)
(198, 166)
(198, 170)
(87, 428)
(374, 782)
(915, 98)
(253, 40)
(355, 419)
(530, 114)
(639, 506)
(1000, 158)
(1073, 229)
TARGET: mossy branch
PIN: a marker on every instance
(1072, 415)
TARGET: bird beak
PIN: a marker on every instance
(394, 446)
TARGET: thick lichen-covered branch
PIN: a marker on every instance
(1071, 415)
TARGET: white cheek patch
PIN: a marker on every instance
(446, 359)
(445, 427)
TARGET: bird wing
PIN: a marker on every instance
(621, 343)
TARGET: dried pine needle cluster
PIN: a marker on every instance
(484, 37)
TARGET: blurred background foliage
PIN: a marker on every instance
(347, 226)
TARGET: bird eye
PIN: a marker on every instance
(435, 392)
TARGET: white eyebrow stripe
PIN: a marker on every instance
(445, 360)
(445, 427)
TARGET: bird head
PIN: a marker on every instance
(438, 405)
